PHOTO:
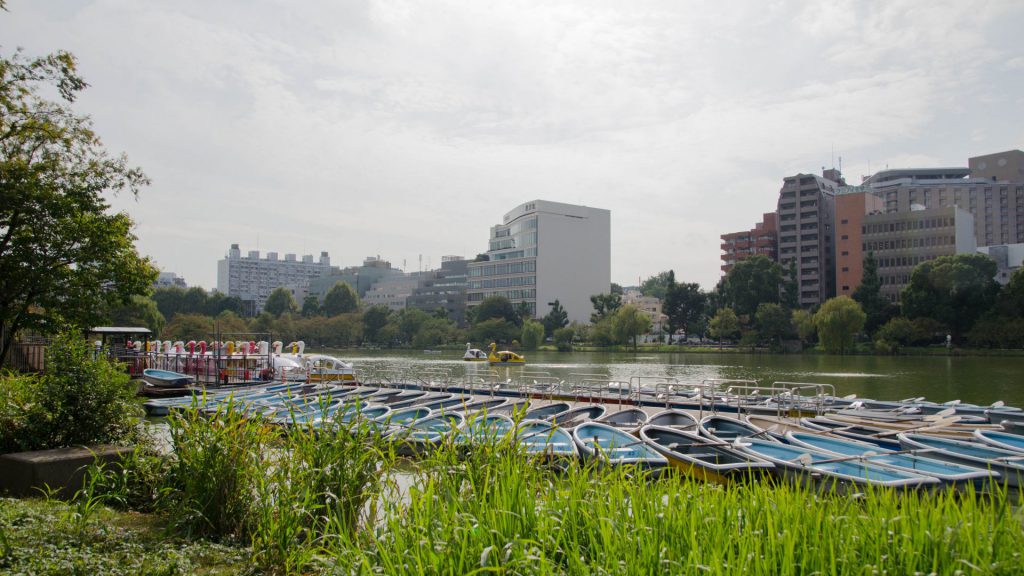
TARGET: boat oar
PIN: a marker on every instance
(931, 426)
(806, 459)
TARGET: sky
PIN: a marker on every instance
(406, 129)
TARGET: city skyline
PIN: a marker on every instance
(401, 130)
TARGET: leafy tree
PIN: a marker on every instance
(616, 289)
(263, 323)
(410, 321)
(684, 305)
(600, 334)
(169, 300)
(495, 307)
(310, 306)
(790, 296)
(344, 329)
(194, 301)
(64, 258)
(628, 323)
(838, 321)
(869, 295)
(433, 332)
(604, 305)
(341, 298)
(725, 325)
(524, 312)
(556, 318)
(533, 334)
(563, 338)
(279, 302)
(218, 302)
(658, 284)
(496, 330)
(374, 320)
(773, 322)
(139, 311)
(751, 282)
(803, 323)
(955, 290)
(227, 322)
(187, 327)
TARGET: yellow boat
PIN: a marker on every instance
(504, 357)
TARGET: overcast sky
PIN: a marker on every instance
(408, 128)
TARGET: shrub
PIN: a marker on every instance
(82, 399)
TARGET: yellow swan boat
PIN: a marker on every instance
(504, 357)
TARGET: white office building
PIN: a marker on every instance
(252, 278)
(546, 251)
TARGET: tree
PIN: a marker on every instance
(187, 327)
(310, 306)
(684, 306)
(604, 305)
(556, 318)
(790, 296)
(629, 322)
(219, 302)
(340, 299)
(869, 295)
(724, 325)
(773, 322)
(139, 311)
(375, 318)
(495, 307)
(803, 323)
(838, 320)
(524, 312)
(279, 302)
(658, 284)
(751, 282)
(495, 330)
(563, 338)
(955, 290)
(168, 300)
(64, 258)
(533, 334)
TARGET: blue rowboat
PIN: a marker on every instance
(488, 429)
(426, 433)
(542, 438)
(611, 445)
(547, 411)
(948, 472)
(826, 471)
(581, 414)
(403, 416)
(627, 419)
(1002, 440)
(701, 458)
(1008, 463)
(166, 378)
(675, 419)
(725, 429)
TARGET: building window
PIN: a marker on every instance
(845, 237)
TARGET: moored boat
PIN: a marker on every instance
(673, 418)
(628, 419)
(613, 446)
(702, 458)
(1003, 440)
(579, 415)
(166, 378)
(1008, 463)
(541, 438)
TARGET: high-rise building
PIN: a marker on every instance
(252, 278)
(805, 210)
(851, 209)
(169, 280)
(545, 251)
(761, 240)
(443, 289)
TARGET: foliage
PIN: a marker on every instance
(628, 323)
(555, 319)
(604, 305)
(533, 334)
(139, 311)
(340, 299)
(280, 302)
(869, 295)
(227, 322)
(789, 298)
(496, 330)
(375, 318)
(725, 325)
(310, 306)
(173, 300)
(993, 331)
(82, 399)
(954, 290)
(838, 321)
(495, 307)
(524, 312)
(187, 327)
(773, 322)
(564, 337)
(684, 305)
(64, 258)
(803, 322)
(658, 284)
(601, 334)
(751, 282)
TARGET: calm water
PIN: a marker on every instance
(981, 380)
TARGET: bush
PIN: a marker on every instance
(82, 399)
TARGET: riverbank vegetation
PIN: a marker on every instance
(338, 501)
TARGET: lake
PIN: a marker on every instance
(980, 380)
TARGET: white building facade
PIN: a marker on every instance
(252, 278)
(545, 251)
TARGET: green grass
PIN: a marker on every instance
(336, 501)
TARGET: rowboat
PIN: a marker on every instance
(725, 429)
(426, 433)
(673, 418)
(546, 411)
(627, 419)
(807, 465)
(166, 378)
(1008, 463)
(576, 416)
(701, 458)
(400, 419)
(487, 429)
(512, 408)
(611, 445)
(917, 462)
(872, 434)
(541, 438)
(1001, 440)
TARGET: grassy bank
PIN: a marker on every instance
(337, 501)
